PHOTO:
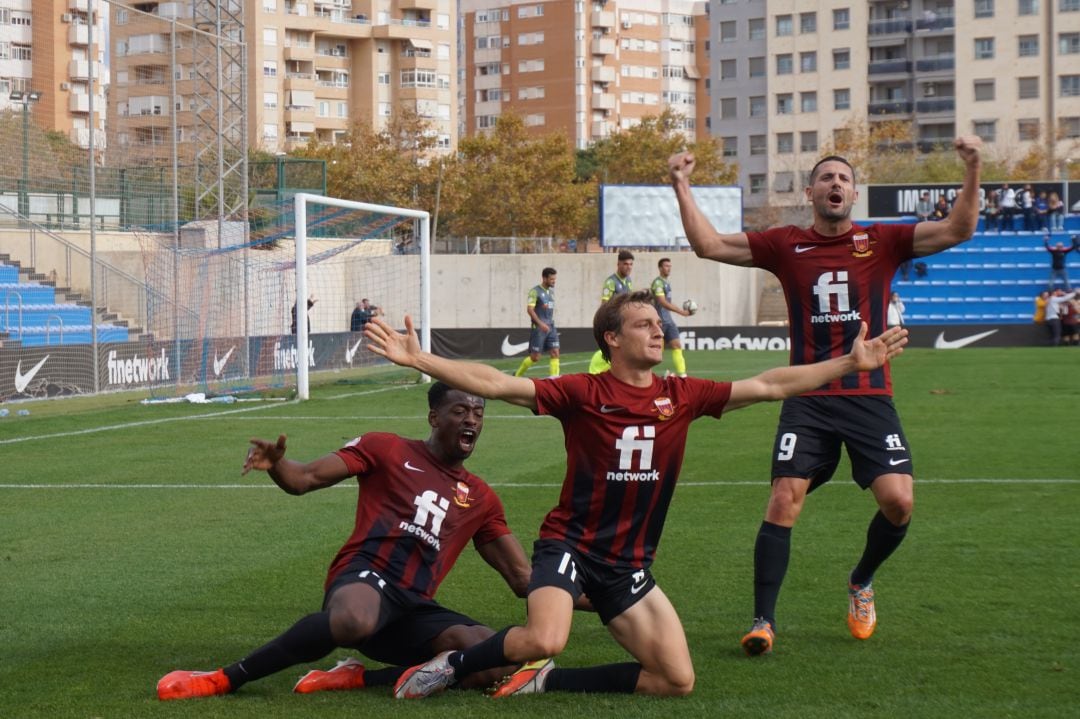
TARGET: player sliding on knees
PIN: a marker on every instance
(418, 508)
(625, 435)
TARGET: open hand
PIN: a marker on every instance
(263, 454)
(871, 354)
(401, 348)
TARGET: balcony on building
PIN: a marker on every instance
(936, 106)
(424, 5)
(604, 74)
(174, 11)
(299, 50)
(940, 63)
(603, 46)
(80, 102)
(602, 128)
(888, 109)
(81, 136)
(602, 18)
(603, 101)
(78, 34)
(889, 67)
(889, 27)
(935, 23)
(80, 70)
(79, 5)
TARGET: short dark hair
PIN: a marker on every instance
(609, 317)
(547, 272)
(625, 255)
(662, 260)
(831, 158)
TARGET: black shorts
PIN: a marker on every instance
(540, 341)
(671, 330)
(811, 430)
(612, 590)
(407, 625)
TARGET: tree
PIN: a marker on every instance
(510, 183)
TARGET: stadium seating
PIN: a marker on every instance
(32, 314)
(992, 278)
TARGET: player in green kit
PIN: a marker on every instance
(661, 290)
(616, 284)
(541, 309)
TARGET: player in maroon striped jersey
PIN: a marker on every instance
(836, 275)
(625, 436)
(417, 509)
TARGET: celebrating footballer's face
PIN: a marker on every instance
(832, 190)
(456, 422)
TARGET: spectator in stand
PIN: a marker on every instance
(1007, 203)
(941, 208)
(362, 315)
(924, 208)
(1055, 308)
(292, 326)
(1055, 212)
(1040, 307)
(1025, 203)
(1059, 261)
(895, 316)
(992, 212)
(1042, 210)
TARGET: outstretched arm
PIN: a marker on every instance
(960, 224)
(733, 249)
(784, 382)
(472, 377)
(292, 476)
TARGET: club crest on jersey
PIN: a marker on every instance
(461, 495)
(664, 406)
(861, 245)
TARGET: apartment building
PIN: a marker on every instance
(786, 77)
(45, 65)
(313, 67)
(583, 68)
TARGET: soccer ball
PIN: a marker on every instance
(690, 306)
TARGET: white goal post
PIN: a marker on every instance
(422, 221)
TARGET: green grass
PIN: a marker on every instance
(138, 549)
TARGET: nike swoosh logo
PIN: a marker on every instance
(943, 344)
(21, 380)
(799, 249)
(605, 409)
(350, 352)
(509, 350)
(894, 462)
(408, 465)
(219, 364)
(637, 587)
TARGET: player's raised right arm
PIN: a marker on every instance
(472, 377)
(732, 249)
(294, 477)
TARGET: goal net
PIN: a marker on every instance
(223, 311)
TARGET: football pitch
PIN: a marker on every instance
(131, 546)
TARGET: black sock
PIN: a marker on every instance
(385, 677)
(771, 552)
(608, 678)
(488, 654)
(307, 640)
(882, 538)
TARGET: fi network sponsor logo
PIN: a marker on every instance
(137, 369)
(285, 357)
(691, 341)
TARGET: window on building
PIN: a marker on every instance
(1027, 88)
(785, 104)
(841, 59)
(1069, 6)
(842, 99)
(785, 143)
(807, 22)
(984, 91)
(808, 141)
(1028, 7)
(1070, 85)
(728, 69)
(270, 100)
(269, 68)
(727, 31)
(756, 28)
(784, 182)
(269, 35)
(984, 48)
(727, 108)
(785, 65)
(757, 184)
(1069, 127)
(984, 8)
(841, 18)
(384, 78)
(985, 129)
(807, 62)
(1069, 43)
(808, 102)
(757, 67)
(1028, 128)
(757, 106)
(343, 110)
(1027, 45)
(757, 145)
(731, 146)
(784, 25)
